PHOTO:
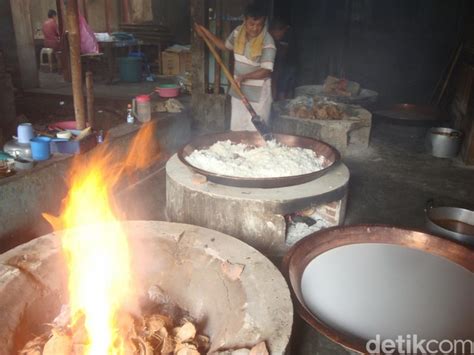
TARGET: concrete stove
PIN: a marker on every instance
(195, 266)
(347, 134)
(254, 215)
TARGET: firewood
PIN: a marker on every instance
(203, 343)
(35, 346)
(168, 346)
(156, 322)
(186, 332)
(144, 348)
(130, 348)
(33, 351)
(259, 349)
(186, 349)
(59, 343)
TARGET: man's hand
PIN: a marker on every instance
(239, 79)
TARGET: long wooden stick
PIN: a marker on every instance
(448, 77)
(227, 73)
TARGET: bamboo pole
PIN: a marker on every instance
(75, 57)
(90, 99)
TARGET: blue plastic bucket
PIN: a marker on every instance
(130, 69)
(40, 148)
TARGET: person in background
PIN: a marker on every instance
(283, 79)
(254, 56)
(51, 32)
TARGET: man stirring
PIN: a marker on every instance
(254, 55)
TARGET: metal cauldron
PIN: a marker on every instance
(381, 280)
(331, 155)
(453, 223)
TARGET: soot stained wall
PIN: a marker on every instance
(398, 48)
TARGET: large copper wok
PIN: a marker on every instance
(319, 244)
(254, 139)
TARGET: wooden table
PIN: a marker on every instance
(111, 51)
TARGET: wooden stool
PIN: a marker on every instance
(49, 64)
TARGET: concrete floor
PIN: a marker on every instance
(390, 183)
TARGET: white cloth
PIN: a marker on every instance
(240, 119)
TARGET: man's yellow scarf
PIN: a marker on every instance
(256, 44)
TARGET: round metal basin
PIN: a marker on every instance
(354, 284)
(331, 155)
(452, 222)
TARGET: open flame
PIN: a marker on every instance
(95, 245)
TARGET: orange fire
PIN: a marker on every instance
(96, 247)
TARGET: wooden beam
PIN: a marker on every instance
(217, 67)
(125, 11)
(75, 56)
(107, 15)
(198, 73)
(25, 45)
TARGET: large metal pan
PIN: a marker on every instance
(385, 280)
(332, 157)
(410, 115)
(451, 222)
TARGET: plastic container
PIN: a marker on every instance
(167, 90)
(130, 69)
(443, 142)
(40, 148)
(142, 108)
(25, 133)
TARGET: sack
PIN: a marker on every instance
(88, 41)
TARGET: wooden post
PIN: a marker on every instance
(84, 9)
(217, 67)
(60, 10)
(198, 72)
(21, 14)
(76, 69)
(107, 11)
(90, 99)
(126, 11)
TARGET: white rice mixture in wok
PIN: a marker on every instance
(241, 160)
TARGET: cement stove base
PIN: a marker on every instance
(255, 216)
(193, 265)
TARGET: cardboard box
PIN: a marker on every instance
(174, 63)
